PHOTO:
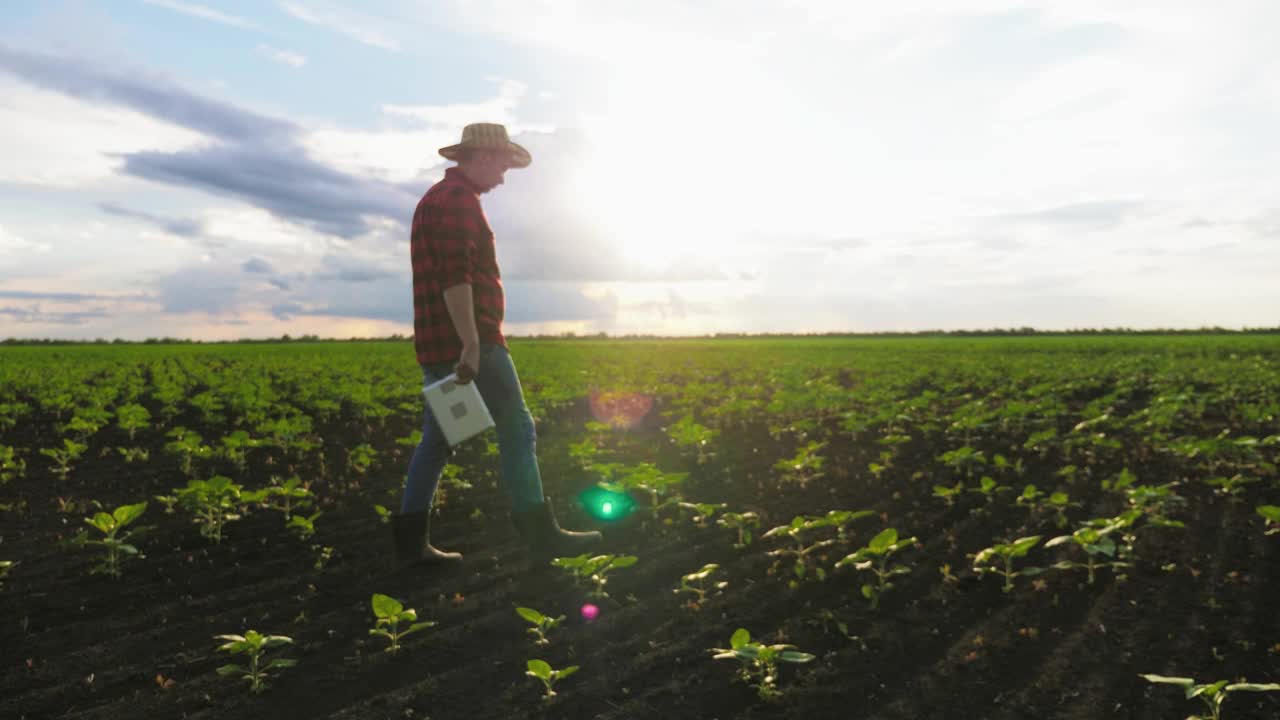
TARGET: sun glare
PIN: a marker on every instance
(629, 197)
(658, 179)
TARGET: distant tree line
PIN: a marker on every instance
(992, 332)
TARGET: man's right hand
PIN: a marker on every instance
(469, 364)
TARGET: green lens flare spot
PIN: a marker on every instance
(604, 504)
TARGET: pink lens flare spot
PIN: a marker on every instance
(590, 612)
(618, 408)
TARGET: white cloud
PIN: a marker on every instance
(51, 139)
(204, 12)
(408, 154)
(283, 56)
(341, 21)
(255, 227)
(498, 109)
(392, 155)
(11, 244)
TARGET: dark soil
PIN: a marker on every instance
(1200, 602)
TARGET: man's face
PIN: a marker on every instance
(488, 169)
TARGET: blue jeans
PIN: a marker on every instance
(517, 440)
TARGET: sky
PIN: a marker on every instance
(249, 168)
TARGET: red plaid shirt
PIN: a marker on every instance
(451, 243)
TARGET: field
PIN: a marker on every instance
(783, 462)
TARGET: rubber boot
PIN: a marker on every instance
(412, 534)
(544, 538)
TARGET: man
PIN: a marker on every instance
(458, 306)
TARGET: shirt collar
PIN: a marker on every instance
(455, 174)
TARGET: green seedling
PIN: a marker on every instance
(5, 567)
(236, 446)
(10, 412)
(187, 445)
(1040, 503)
(169, 394)
(291, 495)
(542, 624)
(541, 670)
(1271, 517)
(840, 520)
(1211, 694)
(893, 441)
(687, 433)
(1002, 463)
(1095, 543)
(691, 583)
(1041, 442)
(877, 469)
(824, 618)
(801, 525)
(1122, 482)
(390, 614)
(964, 460)
(412, 440)
(134, 455)
(169, 501)
(452, 477)
(967, 419)
(84, 424)
(110, 525)
(759, 663)
(989, 559)
(11, 466)
(303, 526)
(702, 512)
(594, 570)
(1231, 487)
(988, 488)
(70, 505)
(290, 434)
(948, 494)
(805, 466)
(65, 455)
(210, 407)
(875, 557)
(1156, 503)
(600, 431)
(584, 453)
(948, 577)
(360, 458)
(649, 480)
(131, 418)
(743, 523)
(214, 502)
(253, 644)
(324, 554)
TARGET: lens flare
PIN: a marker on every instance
(620, 409)
(603, 504)
(590, 612)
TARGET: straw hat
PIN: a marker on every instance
(489, 136)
